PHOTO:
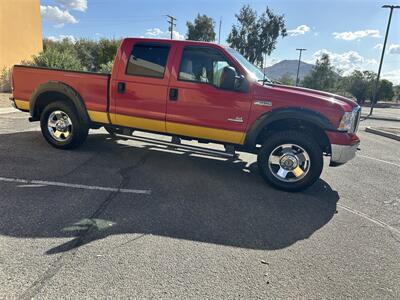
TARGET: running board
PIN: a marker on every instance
(197, 149)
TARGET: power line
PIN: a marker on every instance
(298, 65)
(171, 24)
(392, 7)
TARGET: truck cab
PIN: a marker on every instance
(195, 90)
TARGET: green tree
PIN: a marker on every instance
(357, 84)
(254, 36)
(202, 29)
(286, 79)
(385, 90)
(107, 49)
(323, 76)
(87, 52)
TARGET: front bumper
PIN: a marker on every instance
(342, 153)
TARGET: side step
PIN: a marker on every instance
(174, 144)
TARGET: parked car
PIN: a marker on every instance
(200, 91)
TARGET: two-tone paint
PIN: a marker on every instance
(201, 110)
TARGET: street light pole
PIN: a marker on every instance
(392, 7)
(298, 66)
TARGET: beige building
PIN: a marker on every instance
(20, 31)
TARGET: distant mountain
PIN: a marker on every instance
(288, 67)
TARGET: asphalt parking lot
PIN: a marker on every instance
(124, 218)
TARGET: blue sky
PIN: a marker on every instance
(352, 32)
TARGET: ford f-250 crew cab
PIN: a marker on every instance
(200, 91)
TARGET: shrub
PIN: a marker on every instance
(5, 80)
(55, 59)
(106, 68)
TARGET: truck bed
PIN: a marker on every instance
(93, 87)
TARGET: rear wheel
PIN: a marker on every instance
(290, 160)
(61, 127)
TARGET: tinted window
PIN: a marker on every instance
(148, 60)
(202, 65)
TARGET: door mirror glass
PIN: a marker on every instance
(228, 78)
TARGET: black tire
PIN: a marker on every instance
(78, 130)
(309, 145)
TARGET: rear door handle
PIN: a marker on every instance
(173, 94)
(121, 87)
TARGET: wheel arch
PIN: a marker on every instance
(299, 119)
(56, 90)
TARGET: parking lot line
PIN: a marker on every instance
(369, 218)
(72, 185)
(384, 161)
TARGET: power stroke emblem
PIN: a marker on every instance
(263, 103)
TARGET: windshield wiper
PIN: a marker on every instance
(266, 81)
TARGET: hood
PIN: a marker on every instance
(346, 103)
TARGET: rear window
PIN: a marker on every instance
(148, 60)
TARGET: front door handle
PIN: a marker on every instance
(121, 87)
(173, 94)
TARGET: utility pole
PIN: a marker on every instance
(219, 31)
(171, 24)
(298, 65)
(392, 7)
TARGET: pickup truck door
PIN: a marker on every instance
(140, 89)
(197, 106)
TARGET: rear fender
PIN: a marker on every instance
(61, 88)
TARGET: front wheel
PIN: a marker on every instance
(290, 160)
(61, 127)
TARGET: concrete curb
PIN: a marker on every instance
(380, 118)
(383, 133)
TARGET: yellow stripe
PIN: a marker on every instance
(98, 116)
(136, 122)
(21, 104)
(221, 135)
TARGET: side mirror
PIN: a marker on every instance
(228, 78)
(231, 81)
(241, 84)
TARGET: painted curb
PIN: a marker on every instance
(383, 133)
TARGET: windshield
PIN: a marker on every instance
(253, 71)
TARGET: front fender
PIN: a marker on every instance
(301, 114)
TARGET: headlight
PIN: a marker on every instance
(349, 121)
(345, 122)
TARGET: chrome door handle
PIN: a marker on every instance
(237, 120)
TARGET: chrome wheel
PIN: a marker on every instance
(59, 125)
(289, 163)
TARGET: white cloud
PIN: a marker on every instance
(80, 5)
(61, 37)
(158, 33)
(356, 35)
(393, 76)
(299, 30)
(378, 46)
(394, 49)
(347, 61)
(55, 15)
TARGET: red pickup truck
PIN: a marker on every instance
(200, 91)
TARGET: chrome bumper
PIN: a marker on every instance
(343, 153)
